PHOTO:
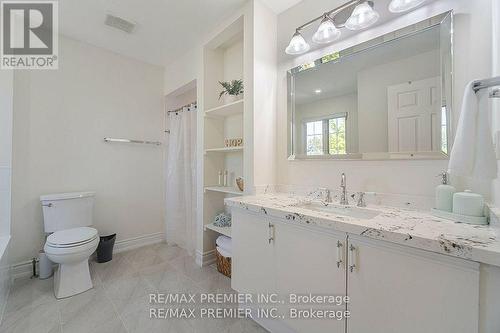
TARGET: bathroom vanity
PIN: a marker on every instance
(403, 270)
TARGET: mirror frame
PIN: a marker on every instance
(405, 32)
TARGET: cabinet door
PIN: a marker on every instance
(306, 263)
(395, 289)
(252, 263)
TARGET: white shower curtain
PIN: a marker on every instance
(180, 184)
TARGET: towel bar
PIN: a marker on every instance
(486, 83)
(156, 143)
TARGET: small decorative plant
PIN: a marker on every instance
(232, 88)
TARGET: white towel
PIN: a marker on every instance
(473, 154)
(225, 243)
(223, 252)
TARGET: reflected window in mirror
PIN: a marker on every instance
(326, 136)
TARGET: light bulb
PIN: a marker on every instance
(298, 45)
(398, 6)
(327, 32)
(362, 17)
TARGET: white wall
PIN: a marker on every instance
(182, 71)
(6, 96)
(60, 120)
(495, 38)
(264, 81)
(372, 95)
(6, 113)
(472, 60)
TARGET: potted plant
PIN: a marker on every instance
(232, 90)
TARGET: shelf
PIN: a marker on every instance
(224, 189)
(226, 110)
(224, 150)
(226, 231)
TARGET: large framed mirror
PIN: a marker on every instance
(387, 98)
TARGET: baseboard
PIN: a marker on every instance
(205, 258)
(137, 242)
(21, 270)
(24, 269)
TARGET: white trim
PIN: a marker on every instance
(23, 269)
(205, 258)
(137, 242)
(4, 257)
(20, 270)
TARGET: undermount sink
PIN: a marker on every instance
(350, 211)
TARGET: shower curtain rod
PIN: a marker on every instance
(182, 107)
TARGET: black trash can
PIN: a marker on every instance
(105, 248)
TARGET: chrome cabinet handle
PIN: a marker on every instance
(339, 253)
(47, 205)
(352, 265)
(271, 233)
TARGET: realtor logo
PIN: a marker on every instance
(29, 38)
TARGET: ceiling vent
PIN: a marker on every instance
(120, 23)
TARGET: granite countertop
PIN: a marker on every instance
(418, 229)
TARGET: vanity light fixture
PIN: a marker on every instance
(362, 17)
(317, 91)
(359, 13)
(399, 6)
(353, 15)
(327, 31)
(298, 44)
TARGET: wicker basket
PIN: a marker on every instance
(223, 264)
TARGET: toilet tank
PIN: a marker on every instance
(67, 210)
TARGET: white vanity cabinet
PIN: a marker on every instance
(252, 270)
(395, 289)
(309, 262)
(273, 257)
(392, 288)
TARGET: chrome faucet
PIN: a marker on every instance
(343, 188)
(361, 199)
(327, 194)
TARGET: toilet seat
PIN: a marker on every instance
(71, 237)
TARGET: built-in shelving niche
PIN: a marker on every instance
(223, 60)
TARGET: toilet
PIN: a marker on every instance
(68, 219)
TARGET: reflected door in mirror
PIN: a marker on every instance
(414, 116)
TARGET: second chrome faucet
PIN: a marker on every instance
(343, 190)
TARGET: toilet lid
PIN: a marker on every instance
(72, 236)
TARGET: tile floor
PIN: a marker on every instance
(119, 301)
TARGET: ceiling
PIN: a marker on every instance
(166, 29)
(279, 6)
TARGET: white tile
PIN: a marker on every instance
(90, 311)
(188, 267)
(119, 301)
(44, 318)
(28, 292)
(117, 268)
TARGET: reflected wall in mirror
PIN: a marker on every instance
(386, 98)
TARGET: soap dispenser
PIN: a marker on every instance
(444, 194)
